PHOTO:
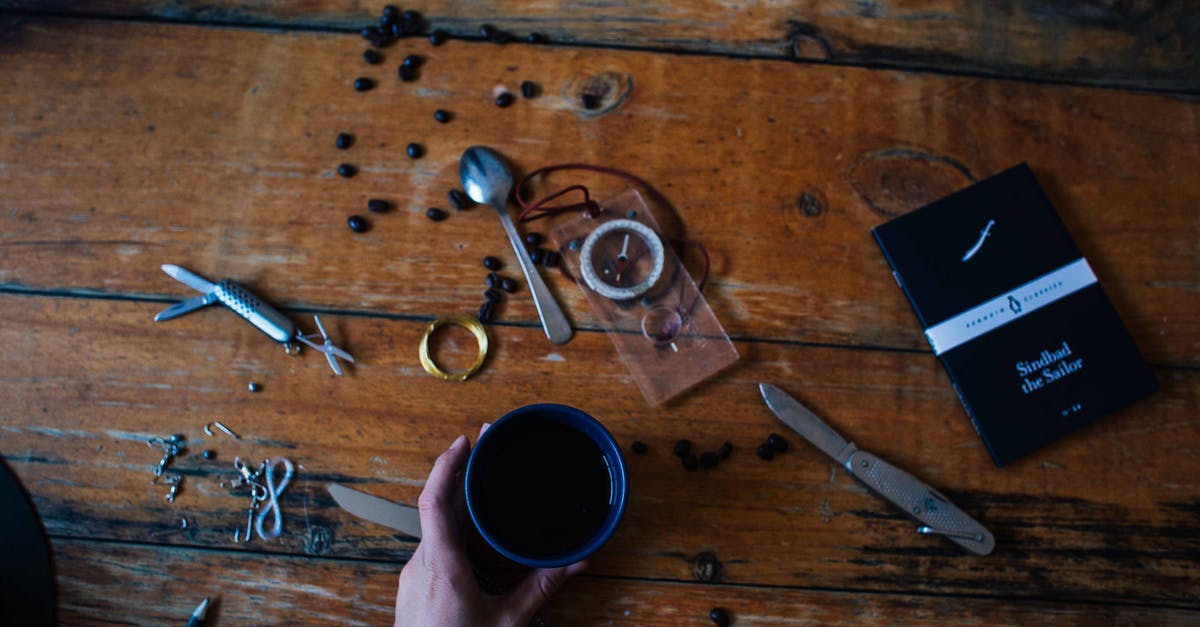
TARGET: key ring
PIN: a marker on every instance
(472, 325)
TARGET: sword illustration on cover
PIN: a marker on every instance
(245, 304)
(380, 511)
(933, 511)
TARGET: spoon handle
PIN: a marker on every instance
(554, 323)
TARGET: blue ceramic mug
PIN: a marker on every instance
(546, 485)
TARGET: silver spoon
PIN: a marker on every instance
(488, 181)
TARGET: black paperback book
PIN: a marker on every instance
(1031, 342)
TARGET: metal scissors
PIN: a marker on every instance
(245, 304)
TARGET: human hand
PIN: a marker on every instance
(438, 586)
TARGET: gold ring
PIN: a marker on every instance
(472, 325)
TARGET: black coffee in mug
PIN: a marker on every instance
(546, 485)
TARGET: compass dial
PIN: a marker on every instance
(621, 259)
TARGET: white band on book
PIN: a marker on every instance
(1009, 306)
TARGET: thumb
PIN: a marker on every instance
(536, 588)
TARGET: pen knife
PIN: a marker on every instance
(380, 511)
(933, 511)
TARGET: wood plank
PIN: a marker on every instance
(1107, 515)
(1136, 44)
(147, 584)
(140, 144)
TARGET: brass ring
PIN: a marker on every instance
(472, 325)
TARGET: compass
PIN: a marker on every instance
(621, 259)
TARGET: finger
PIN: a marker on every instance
(436, 503)
(460, 498)
(484, 427)
(536, 588)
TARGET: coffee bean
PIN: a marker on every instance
(504, 99)
(776, 442)
(415, 150)
(411, 16)
(492, 280)
(528, 89)
(437, 37)
(407, 73)
(441, 115)
(690, 462)
(378, 205)
(682, 448)
(376, 36)
(435, 214)
(719, 617)
(344, 141)
(535, 38)
(358, 224)
(708, 460)
(491, 296)
(590, 101)
(363, 83)
(550, 259)
(391, 11)
(254, 387)
(372, 56)
(458, 199)
(387, 19)
(487, 31)
(725, 450)
(765, 452)
(508, 285)
(535, 256)
(491, 263)
(209, 454)
(640, 448)
(413, 61)
(487, 312)
(533, 239)
(346, 170)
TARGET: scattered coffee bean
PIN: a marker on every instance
(435, 214)
(504, 99)
(437, 37)
(411, 16)
(501, 37)
(690, 462)
(415, 150)
(640, 448)
(492, 296)
(491, 263)
(535, 38)
(346, 170)
(441, 115)
(378, 37)
(528, 89)
(358, 224)
(253, 387)
(487, 312)
(407, 73)
(776, 442)
(413, 61)
(487, 31)
(590, 101)
(719, 617)
(372, 56)
(387, 19)
(765, 452)
(378, 205)
(209, 454)
(550, 259)
(725, 450)
(363, 83)
(391, 10)
(508, 285)
(533, 239)
(344, 141)
(458, 199)
(682, 448)
(708, 460)
(535, 256)
(493, 280)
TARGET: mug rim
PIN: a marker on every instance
(608, 446)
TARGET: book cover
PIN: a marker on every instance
(1015, 313)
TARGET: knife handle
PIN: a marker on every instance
(920, 502)
(245, 304)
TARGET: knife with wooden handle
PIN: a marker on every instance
(935, 513)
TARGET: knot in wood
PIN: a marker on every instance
(706, 567)
(809, 204)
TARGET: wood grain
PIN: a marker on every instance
(1136, 44)
(145, 584)
(220, 157)
(1105, 515)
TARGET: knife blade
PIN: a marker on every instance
(935, 513)
(185, 306)
(189, 278)
(379, 511)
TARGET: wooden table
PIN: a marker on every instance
(137, 133)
